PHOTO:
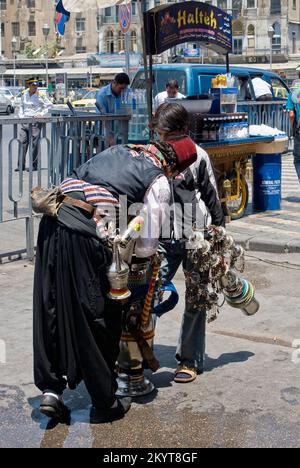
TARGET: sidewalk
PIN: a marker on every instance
(273, 231)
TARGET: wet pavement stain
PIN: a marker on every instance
(16, 426)
(167, 421)
(291, 395)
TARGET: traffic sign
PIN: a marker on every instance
(125, 16)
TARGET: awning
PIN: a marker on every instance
(275, 66)
(103, 72)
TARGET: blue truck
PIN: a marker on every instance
(196, 79)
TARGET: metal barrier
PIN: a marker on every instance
(66, 142)
(271, 113)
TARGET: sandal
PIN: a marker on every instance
(185, 374)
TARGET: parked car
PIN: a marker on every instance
(280, 92)
(196, 79)
(88, 100)
(16, 91)
(8, 93)
(5, 104)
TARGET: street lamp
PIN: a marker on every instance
(13, 47)
(271, 33)
(46, 30)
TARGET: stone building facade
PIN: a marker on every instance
(98, 31)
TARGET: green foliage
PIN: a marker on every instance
(53, 49)
(29, 49)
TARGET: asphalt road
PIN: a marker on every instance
(249, 395)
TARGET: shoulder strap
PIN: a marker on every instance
(79, 203)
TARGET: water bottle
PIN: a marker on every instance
(134, 102)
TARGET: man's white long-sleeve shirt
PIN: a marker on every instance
(34, 105)
(154, 213)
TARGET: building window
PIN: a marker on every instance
(2, 4)
(134, 8)
(251, 3)
(276, 41)
(2, 30)
(133, 43)
(294, 43)
(251, 30)
(31, 3)
(275, 8)
(237, 28)
(31, 28)
(251, 36)
(99, 22)
(108, 12)
(109, 42)
(121, 42)
(238, 45)
(294, 5)
(15, 29)
(145, 6)
(222, 4)
(236, 8)
(80, 25)
(80, 48)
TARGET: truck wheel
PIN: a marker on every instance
(237, 208)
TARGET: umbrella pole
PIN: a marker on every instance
(147, 78)
(227, 63)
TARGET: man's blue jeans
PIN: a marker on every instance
(297, 154)
(191, 344)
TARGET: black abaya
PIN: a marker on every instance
(76, 329)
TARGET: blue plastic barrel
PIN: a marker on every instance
(266, 182)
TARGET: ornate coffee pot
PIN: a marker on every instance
(118, 274)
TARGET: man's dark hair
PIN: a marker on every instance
(172, 84)
(170, 117)
(122, 78)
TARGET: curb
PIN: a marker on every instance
(270, 245)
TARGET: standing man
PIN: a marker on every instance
(33, 105)
(172, 92)
(108, 101)
(195, 191)
(293, 107)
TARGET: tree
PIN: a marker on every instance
(29, 49)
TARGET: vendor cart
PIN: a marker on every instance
(230, 160)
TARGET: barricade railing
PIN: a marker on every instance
(66, 142)
(271, 113)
